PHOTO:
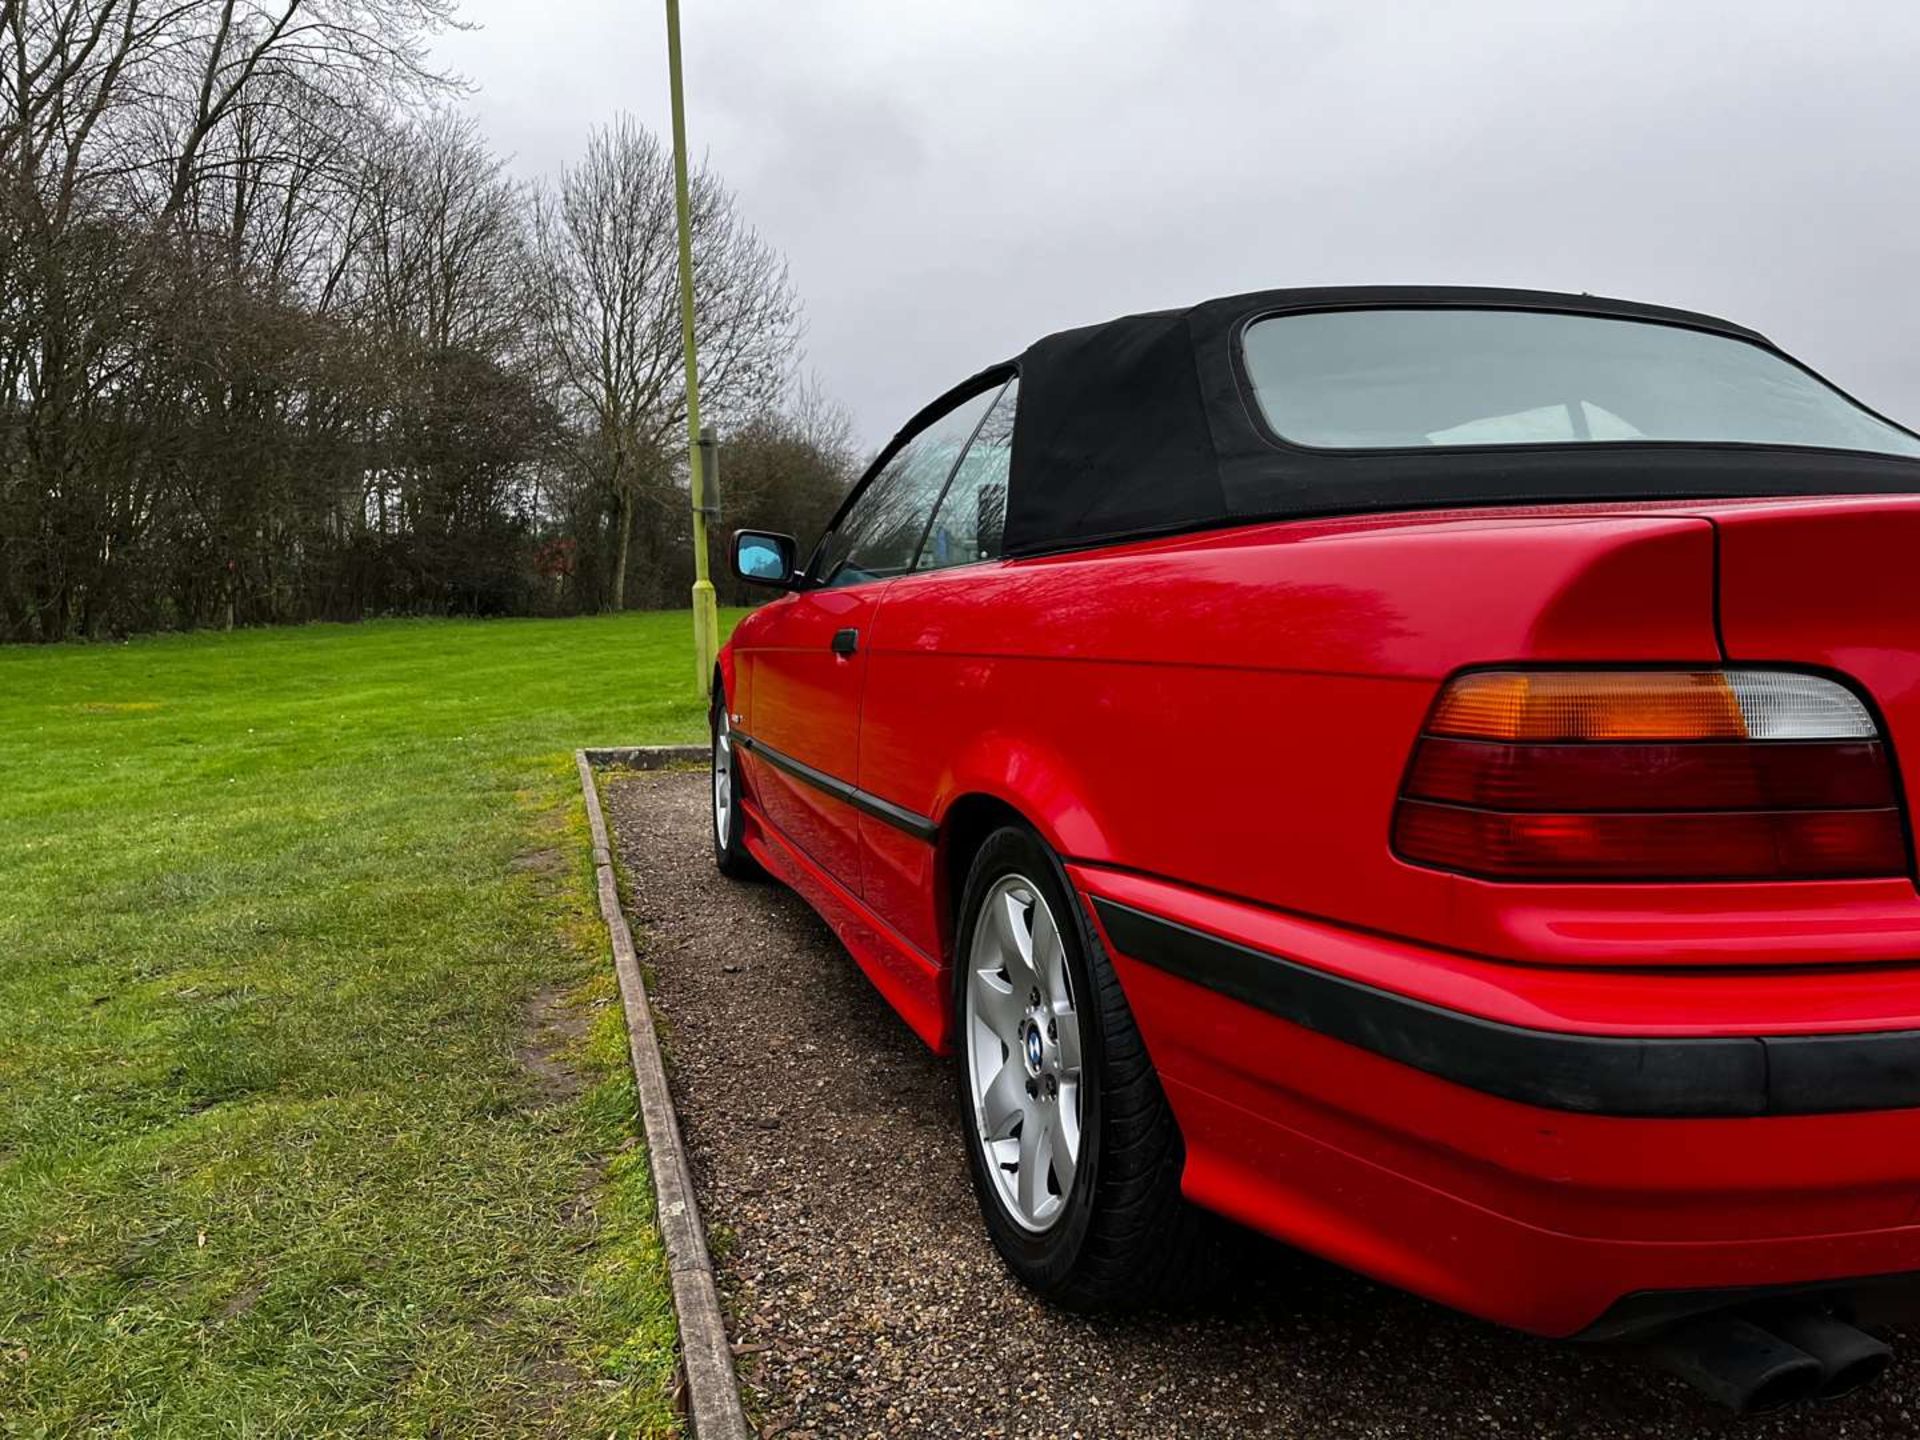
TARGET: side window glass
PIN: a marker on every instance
(830, 560)
(972, 518)
(879, 536)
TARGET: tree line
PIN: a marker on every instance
(281, 339)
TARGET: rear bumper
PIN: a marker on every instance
(1534, 1147)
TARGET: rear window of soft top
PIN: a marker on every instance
(1413, 378)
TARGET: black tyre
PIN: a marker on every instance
(1074, 1152)
(729, 826)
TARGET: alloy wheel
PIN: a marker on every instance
(722, 775)
(1023, 1052)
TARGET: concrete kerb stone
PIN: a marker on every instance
(706, 1357)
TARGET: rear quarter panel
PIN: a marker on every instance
(1234, 711)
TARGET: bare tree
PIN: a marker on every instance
(786, 470)
(440, 277)
(118, 120)
(279, 338)
(236, 54)
(609, 300)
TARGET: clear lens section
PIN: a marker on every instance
(1784, 706)
(1648, 705)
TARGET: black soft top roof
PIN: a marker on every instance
(1146, 425)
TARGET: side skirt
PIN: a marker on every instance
(911, 982)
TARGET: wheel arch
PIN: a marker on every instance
(1146, 1243)
(964, 828)
(1001, 782)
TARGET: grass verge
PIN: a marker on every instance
(314, 1107)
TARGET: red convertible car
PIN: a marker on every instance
(1415, 771)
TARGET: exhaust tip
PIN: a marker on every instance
(1849, 1358)
(1788, 1387)
(1850, 1378)
(1739, 1365)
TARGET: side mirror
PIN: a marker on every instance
(760, 557)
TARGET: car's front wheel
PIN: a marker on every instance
(729, 845)
(1074, 1153)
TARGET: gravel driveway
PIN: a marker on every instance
(865, 1300)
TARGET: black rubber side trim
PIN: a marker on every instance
(898, 816)
(1824, 1074)
(1594, 1074)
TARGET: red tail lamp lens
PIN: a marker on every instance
(1710, 776)
(1651, 775)
(1687, 845)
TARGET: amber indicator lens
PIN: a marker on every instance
(1651, 775)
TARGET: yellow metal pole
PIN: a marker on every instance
(706, 613)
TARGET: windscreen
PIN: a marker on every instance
(1371, 379)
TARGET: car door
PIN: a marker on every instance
(920, 695)
(809, 666)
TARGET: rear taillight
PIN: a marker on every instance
(1651, 775)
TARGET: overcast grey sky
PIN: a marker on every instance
(951, 180)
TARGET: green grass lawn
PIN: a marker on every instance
(314, 1108)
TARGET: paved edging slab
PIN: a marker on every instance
(713, 1390)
